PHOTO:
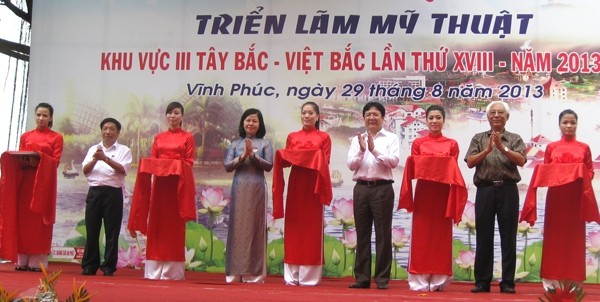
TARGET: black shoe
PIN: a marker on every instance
(21, 268)
(382, 285)
(360, 285)
(480, 289)
(87, 272)
(507, 290)
(35, 269)
(107, 272)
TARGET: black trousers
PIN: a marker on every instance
(373, 204)
(503, 202)
(103, 203)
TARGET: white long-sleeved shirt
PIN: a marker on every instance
(377, 164)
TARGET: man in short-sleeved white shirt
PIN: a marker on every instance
(105, 167)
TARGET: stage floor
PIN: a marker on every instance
(129, 285)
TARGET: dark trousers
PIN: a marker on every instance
(503, 202)
(102, 203)
(373, 204)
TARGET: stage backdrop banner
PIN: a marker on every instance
(129, 59)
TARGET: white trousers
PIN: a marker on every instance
(422, 282)
(294, 274)
(246, 279)
(32, 260)
(249, 278)
(549, 284)
(164, 270)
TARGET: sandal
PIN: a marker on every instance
(21, 268)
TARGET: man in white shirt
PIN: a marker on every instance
(105, 167)
(372, 156)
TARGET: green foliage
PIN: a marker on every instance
(66, 126)
(459, 273)
(457, 247)
(210, 252)
(212, 119)
(76, 241)
(333, 266)
(527, 271)
(398, 272)
(339, 263)
(80, 241)
(595, 276)
(143, 122)
(275, 257)
(75, 146)
(462, 275)
(531, 261)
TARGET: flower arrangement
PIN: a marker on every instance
(6, 296)
(46, 291)
(566, 291)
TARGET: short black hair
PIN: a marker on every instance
(436, 108)
(262, 130)
(377, 106)
(110, 120)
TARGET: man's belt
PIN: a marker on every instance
(496, 183)
(375, 182)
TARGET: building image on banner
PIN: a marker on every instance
(129, 60)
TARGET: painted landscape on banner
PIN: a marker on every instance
(129, 59)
